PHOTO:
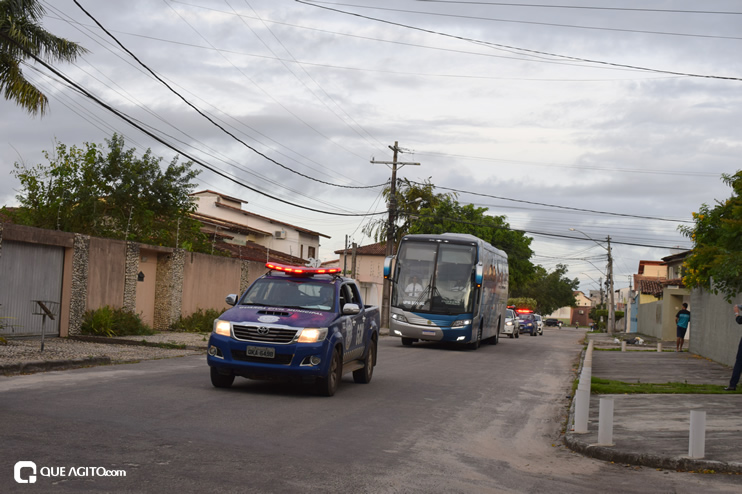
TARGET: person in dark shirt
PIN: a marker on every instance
(737, 371)
(682, 319)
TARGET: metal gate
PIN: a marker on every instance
(29, 273)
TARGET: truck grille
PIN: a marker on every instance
(280, 359)
(258, 333)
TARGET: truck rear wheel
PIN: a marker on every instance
(327, 386)
(363, 376)
(221, 380)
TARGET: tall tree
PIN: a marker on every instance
(715, 262)
(551, 290)
(112, 194)
(21, 39)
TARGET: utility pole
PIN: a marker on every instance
(390, 229)
(611, 308)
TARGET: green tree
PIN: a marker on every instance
(21, 39)
(111, 193)
(715, 262)
(551, 290)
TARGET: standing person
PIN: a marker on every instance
(682, 319)
(738, 363)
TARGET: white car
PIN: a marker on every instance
(540, 323)
(512, 326)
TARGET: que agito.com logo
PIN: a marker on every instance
(26, 472)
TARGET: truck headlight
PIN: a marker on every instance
(509, 323)
(223, 328)
(312, 335)
(461, 323)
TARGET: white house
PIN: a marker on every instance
(224, 218)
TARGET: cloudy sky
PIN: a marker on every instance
(564, 114)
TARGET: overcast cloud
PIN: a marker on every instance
(535, 106)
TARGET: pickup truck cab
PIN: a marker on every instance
(295, 323)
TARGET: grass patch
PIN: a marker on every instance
(201, 321)
(606, 386)
(110, 322)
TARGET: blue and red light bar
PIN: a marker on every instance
(300, 269)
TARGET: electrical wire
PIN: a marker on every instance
(209, 118)
(523, 50)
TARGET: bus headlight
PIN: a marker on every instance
(223, 328)
(399, 317)
(461, 323)
(312, 335)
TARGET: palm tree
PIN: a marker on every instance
(22, 39)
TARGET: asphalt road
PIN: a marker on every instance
(433, 419)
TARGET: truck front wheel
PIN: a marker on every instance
(363, 376)
(221, 380)
(326, 386)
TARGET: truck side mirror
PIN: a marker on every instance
(350, 309)
(231, 299)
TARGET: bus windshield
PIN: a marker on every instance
(435, 277)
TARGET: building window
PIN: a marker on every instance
(311, 252)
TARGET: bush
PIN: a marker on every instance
(201, 321)
(110, 322)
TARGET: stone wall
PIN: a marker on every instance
(169, 289)
(79, 289)
(132, 270)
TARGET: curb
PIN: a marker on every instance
(607, 453)
(50, 365)
(648, 460)
(119, 341)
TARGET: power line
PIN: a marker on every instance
(583, 7)
(131, 122)
(571, 26)
(212, 120)
(524, 50)
(555, 206)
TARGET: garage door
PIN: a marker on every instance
(29, 273)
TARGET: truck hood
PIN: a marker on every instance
(300, 318)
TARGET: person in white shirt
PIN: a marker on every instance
(414, 289)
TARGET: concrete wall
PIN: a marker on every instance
(716, 335)
(207, 280)
(649, 319)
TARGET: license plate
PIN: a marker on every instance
(260, 351)
(428, 333)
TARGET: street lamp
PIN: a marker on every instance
(611, 308)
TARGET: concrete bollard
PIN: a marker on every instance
(697, 438)
(582, 408)
(585, 377)
(605, 422)
(659, 346)
(623, 345)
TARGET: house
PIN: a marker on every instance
(366, 265)
(660, 295)
(222, 217)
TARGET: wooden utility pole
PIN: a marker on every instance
(611, 308)
(390, 230)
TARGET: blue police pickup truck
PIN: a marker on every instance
(296, 323)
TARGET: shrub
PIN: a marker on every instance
(110, 322)
(201, 321)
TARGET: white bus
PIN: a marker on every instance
(450, 287)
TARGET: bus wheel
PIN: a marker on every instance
(475, 344)
(407, 341)
(496, 339)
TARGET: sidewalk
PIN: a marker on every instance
(24, 356)
(654, 430)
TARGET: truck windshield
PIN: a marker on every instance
(435, 277)
(291, 293)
